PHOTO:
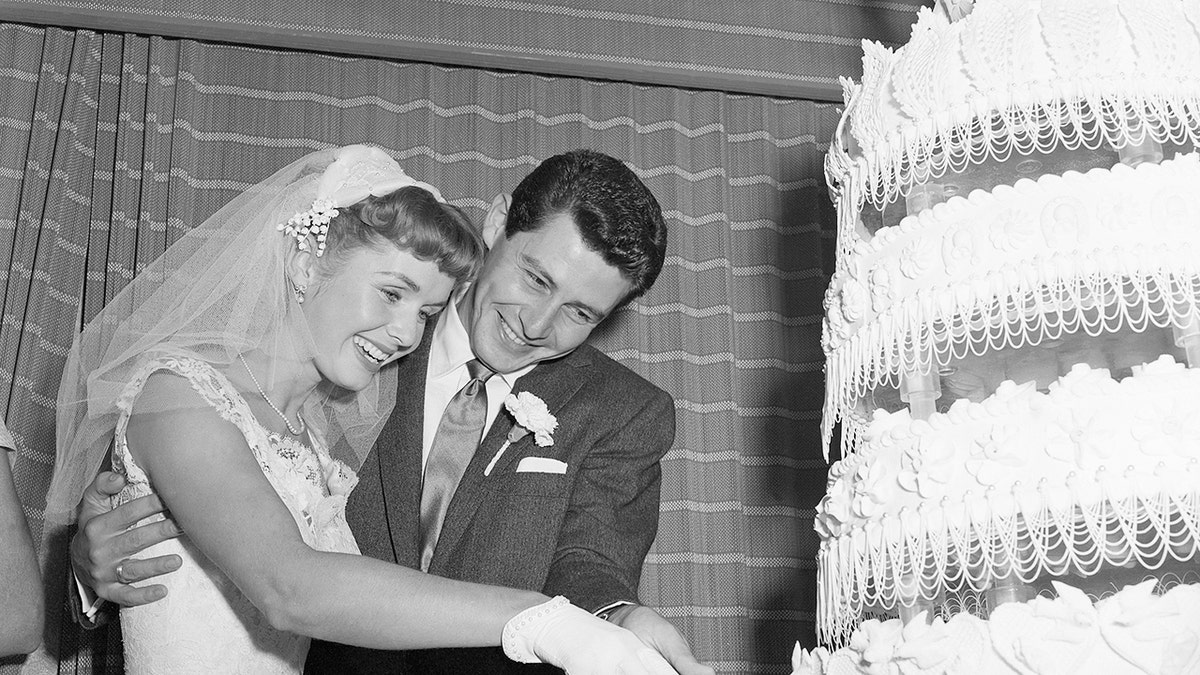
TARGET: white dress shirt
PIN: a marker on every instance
(446, 373)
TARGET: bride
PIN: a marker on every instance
(241, 378)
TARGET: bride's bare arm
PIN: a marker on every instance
(205, 473)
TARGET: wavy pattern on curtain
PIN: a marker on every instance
(794, 48)
(113, 145)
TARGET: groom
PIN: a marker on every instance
(581, 237)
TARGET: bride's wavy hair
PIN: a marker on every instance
(413, 220)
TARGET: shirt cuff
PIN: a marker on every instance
(89, 604)
(605, 611)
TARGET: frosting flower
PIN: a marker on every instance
(877, 641)
(1162, 430)
(999, 459)
(927, 467)
(958, 250)
(854, 301)
(1011, 231)
(916, 260)
(927, 647)
(872, 488)
(532, 416)
(883, 289)
(805, 662)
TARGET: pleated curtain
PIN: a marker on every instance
(113, 145)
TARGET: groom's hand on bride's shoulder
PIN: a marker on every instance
(104, 547)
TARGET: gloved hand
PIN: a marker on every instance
(561, 634)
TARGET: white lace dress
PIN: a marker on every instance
(205, 624)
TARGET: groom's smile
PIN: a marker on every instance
(511, 334)
(539, 295)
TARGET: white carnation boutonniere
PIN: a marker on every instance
(533, 417)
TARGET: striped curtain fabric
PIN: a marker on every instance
(112, 145)
(796, 48)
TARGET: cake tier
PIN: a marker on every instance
(1130, 633)
(1018, 75)
(1094, 472)
(1093, 252)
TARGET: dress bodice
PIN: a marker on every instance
(205, 624)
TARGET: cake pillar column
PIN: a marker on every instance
(1187, 337)
(921, 392)
(1006, 585)
(910, 603)
(1008, 589)
(924, 196)
(1145, 150)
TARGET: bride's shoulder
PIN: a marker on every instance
(169, 385)
(171, 419)
(176, 385)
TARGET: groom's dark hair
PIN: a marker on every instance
(615, 212)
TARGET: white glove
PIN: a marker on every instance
(561, 634)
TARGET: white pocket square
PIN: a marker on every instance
(541, 465)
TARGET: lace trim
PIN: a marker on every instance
(1091, 121)
(868, 566)
(911, 337)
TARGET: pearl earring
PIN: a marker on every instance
(299, 291)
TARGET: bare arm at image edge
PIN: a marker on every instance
(21, 588)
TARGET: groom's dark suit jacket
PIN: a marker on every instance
(582, 534)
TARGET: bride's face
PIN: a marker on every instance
(371, 310)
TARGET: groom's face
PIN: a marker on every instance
(539, 295)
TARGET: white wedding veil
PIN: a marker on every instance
(218, 292)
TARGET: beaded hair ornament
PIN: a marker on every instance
(358, 171)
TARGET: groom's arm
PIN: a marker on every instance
(612, 520)
(612, 516)
(611, 523)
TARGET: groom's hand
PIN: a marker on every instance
(103, 546)
(658, 633)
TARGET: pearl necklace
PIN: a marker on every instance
(286, 421)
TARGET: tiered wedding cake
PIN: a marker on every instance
(1008, 334)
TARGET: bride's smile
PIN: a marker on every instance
(369, 308)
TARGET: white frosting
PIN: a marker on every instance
(1130, 633)
(1107, 470)
(909, 299)
(1014, 77)
(1093, 473)
(976, 87)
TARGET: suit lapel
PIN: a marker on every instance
(399, 448)
(555, 383)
